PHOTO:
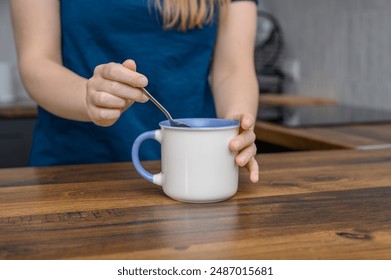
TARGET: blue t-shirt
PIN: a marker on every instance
(175, 63)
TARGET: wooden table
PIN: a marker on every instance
(307, 205)
(360, 137)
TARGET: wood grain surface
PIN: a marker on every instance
(361, 137)
(307, 205)
(292, 100)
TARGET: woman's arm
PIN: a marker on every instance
(60, 91)
(38, 42)
(234, 82)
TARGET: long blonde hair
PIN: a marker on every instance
(188, 14)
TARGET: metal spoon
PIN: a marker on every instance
(154, 101)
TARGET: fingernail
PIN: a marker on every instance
(255, 178)
(249, 123)
(142, 81)
(236, 145)
(144, 98)
(240, 161)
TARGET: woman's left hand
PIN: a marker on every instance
(245, 146)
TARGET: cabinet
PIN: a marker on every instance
(15, 141)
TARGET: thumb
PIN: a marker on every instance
(247, 121)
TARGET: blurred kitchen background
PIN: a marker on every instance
(337, 49)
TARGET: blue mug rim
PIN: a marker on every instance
(202, 124)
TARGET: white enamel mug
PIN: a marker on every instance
(197, 164)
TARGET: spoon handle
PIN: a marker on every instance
(144, 91)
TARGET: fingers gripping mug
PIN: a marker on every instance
(197, 165)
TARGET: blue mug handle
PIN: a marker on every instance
(154, 135)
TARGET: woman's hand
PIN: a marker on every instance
(245, 146)
(112, 89)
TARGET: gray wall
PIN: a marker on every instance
(343, 48)
(7, 49)
(8, 53)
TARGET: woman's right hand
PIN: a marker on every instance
(112, 89)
